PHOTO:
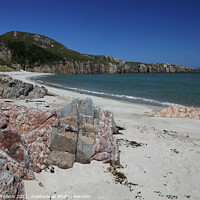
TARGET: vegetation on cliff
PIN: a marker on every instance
(29, 48)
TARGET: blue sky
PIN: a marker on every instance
(132, 30)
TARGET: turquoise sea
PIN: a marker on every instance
(150, 88)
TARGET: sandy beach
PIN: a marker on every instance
(164, 166)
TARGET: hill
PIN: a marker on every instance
(34, 52)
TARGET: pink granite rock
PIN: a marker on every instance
(179, 112)
(11, 185)
(23, 171)
(34, 126)
(29, 141)
(26, 119)
(14, 149)
(105, 147)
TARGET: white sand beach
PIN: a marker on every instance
(165, 166)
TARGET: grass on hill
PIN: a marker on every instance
(4, 68)
(46, 47)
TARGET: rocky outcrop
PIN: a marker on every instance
(12, 89)
(31, 139)
(11, 185)
(25, 138)
(179, 112)
(83, 133)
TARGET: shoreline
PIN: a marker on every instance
(135, 100)
(166, 164)
(141, 93)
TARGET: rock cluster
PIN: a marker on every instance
(83, 133)
(32, 139)
(179, 112)
(12, 89)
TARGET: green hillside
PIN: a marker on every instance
(29, 48)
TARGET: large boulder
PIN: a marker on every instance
(27, 143)
(80, 129)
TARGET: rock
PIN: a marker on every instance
(3, 120)
(61, 159)
(84, 149)
(38, 92)
(105, 147)
(65, 142)
(11, 185)
(69, 115)
(179, 112)
(87, 124)
(26, 119)
(14, 145)
(12, 89)
(14, 150)
(86, 116)
(32, 138)
(34, 127)
(79, 115)
(15, 166)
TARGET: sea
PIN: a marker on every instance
(162, 89)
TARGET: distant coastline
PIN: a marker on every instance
(38, 53)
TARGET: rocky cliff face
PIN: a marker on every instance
(109, 68)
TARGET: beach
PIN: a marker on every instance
(164, 166)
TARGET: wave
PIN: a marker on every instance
(115, 96)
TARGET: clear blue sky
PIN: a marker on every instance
(132, 30)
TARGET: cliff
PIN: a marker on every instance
(33, 52)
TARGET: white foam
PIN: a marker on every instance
(120, 96)
(124, 97)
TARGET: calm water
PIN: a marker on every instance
(158, 88)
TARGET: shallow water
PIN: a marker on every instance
(152, 88)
